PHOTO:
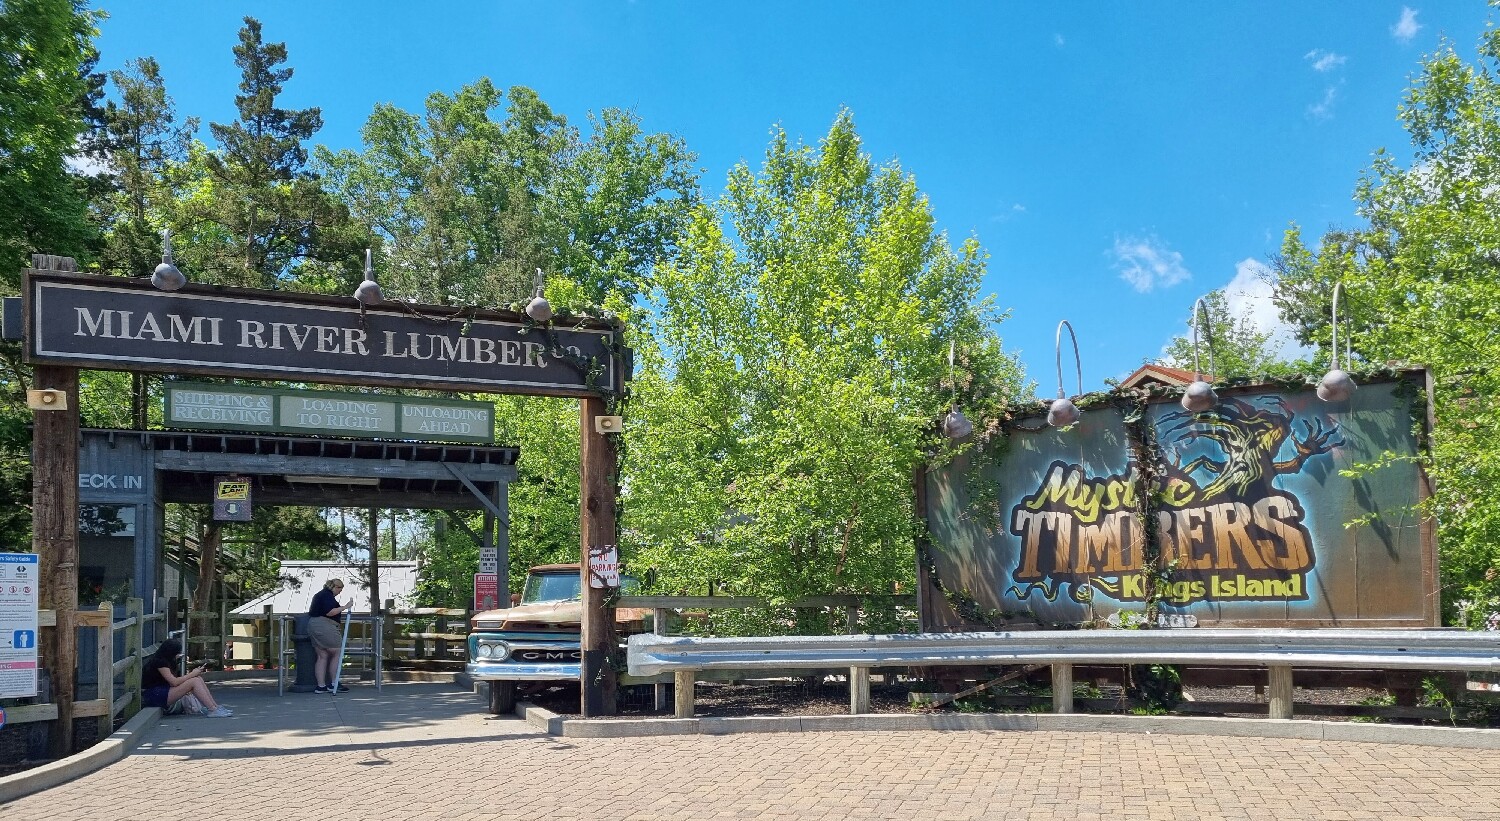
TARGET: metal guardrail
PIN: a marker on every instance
(1277, 650)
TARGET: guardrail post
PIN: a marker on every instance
(1281, 692)
(859, 690)
(684, 700)
(1062, 688)
(659, 627)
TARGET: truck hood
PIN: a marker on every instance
(569, 611)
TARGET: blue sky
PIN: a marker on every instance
(1117, 161)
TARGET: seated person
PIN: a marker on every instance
(162, 687)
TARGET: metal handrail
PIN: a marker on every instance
(1333, 647)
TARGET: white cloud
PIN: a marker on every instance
(1323, 109)
(1248, 296)
(1407, 27)
(1058, 39)
(1147, 263)
(1324, 60)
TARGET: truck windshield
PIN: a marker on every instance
(564, 587)
(550, 587)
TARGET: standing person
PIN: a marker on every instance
(325, 628)
(162, 687)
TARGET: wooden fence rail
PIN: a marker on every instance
(106, 705)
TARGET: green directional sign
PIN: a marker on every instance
(330, 413)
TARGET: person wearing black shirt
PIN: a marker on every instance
(162, 687)
(325, 628)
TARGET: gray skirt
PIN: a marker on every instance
(326, 634)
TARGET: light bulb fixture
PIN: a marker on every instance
(1337, 385)
(166, 277)
(539, 308)
(955, 424)
(1062, 412)
(1200, 395)
(368, 292)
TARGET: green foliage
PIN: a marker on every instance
(145, 148)
(796, 360)
(470, 205)
(253, 215)
(1419, 284)
(1232, 345)
(43, 89)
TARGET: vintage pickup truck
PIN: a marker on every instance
(537, 640)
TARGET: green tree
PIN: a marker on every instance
(43, 88)
(792, 374)
(145, 148)
(253, 214)
(1419, 286)
(469, 203)
(1229, 346)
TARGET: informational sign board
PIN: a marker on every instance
(117, 323)
(1275, 509)
(238, 407)
(232, 499)
(486, 591)
(19, 589)
(604, 566)
(489, 560)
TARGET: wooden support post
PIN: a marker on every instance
(388, 630)
(440, 645)
(597, 468)
(105, 652)
(683, 706)
(266, 656)
(135, 642)
(226, 656)
(859, 690)
(1281, 692)
(54, 537)
(1062, 688)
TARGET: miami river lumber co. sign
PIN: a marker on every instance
(113, 323)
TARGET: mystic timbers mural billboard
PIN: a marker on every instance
(1274, 508)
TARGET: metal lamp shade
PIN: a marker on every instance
(956, 425)
(539, 308)
(368, 293)
(1062, 412)
(1199, 397)
(1336, 386)
(166, 277)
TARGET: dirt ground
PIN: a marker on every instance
(789, 697)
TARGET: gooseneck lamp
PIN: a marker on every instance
(1062, 412)
(166, 277)
(1200, 395)
(368, 292)
(955, 424)
(1337, 385)
(539, 308)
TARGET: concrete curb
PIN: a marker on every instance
(1463, 737)
(106, 752)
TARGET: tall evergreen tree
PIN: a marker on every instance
(255, 215)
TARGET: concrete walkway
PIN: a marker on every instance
(430, 751)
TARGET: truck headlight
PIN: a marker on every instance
(492, 651)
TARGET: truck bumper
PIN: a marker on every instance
(510, 671)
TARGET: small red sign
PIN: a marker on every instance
(486, 591)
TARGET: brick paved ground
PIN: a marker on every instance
(431, 752)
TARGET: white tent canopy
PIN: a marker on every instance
(300, 580)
